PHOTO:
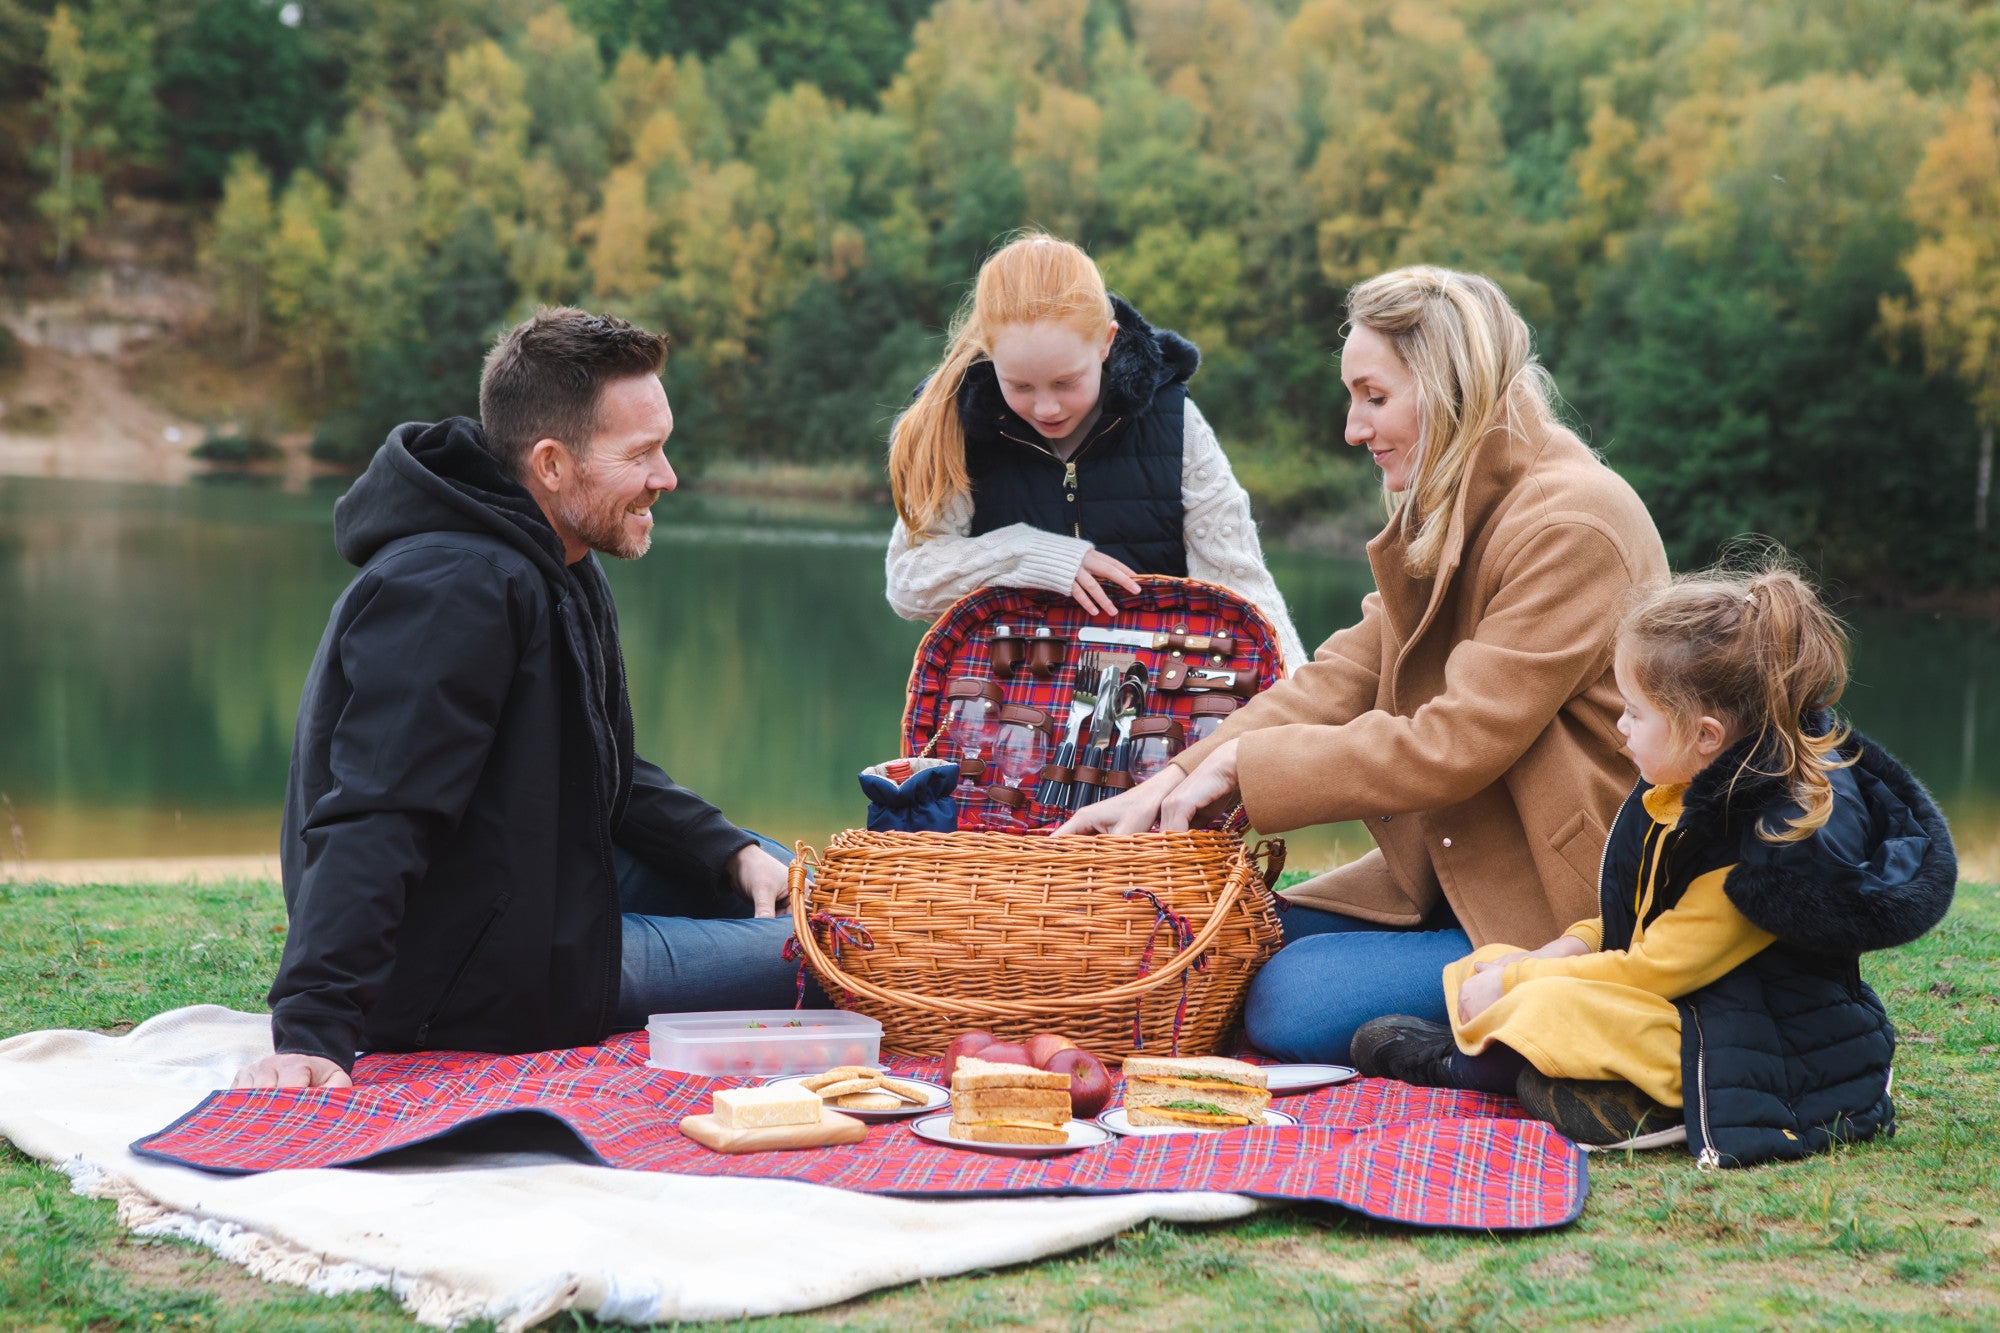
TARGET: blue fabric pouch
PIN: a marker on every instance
(921, 803)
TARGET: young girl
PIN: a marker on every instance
(1718, 995)
(1056, 448)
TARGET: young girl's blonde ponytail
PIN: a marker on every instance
(1760, 652)
(1032, 279)
(1804, 654)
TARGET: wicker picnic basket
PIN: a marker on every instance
(1123, 944)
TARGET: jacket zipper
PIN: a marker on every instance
(1069, 468)
(600, 823)
(1603, 859)
(492, 915)
(1708, 1159)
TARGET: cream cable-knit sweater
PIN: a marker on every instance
(1221, 536)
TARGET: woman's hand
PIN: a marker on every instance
(1478, 993)
(1211, 784)
(1097, 570)
(1133, 811)
(1563, 946)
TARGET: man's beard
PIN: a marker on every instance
(600, 524)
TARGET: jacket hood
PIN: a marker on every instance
(1143, 361)
(1879, 873)
(440, 478)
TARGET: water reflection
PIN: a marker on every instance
(155, 641)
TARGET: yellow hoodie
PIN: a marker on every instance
(1611, 1015)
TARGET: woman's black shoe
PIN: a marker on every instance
(1414, 1050)
(1599, 1113)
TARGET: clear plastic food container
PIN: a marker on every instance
(762, 1041)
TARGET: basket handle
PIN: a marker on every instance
(830, 971)
(1272, 851)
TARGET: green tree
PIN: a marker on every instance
(1730, 363)
(234, 250)
(74, 196)
(1954, 271)
(236, 75)
(301, 295)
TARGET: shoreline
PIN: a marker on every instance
(142, 870)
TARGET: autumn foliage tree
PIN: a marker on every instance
(1756, 238)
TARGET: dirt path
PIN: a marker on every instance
(100, 430)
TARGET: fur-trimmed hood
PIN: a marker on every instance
(1879, 873)
(1143, 361)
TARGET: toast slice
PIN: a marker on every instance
(974, 1074)
(1009, 1131)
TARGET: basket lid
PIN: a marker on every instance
(959, 648)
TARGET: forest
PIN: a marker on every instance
(1758, 240)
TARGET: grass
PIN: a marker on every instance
(1902, 1234)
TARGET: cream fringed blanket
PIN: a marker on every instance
(511, 1237)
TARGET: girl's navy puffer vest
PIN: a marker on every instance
(1121, 489)
(1789, 1053)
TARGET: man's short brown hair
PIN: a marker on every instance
(542, 379)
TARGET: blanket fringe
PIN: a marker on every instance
(429, 1303)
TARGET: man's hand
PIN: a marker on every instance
(289, 1069)
(1097, 570)
(1133, 811)
(762, 878)
(1478, 994)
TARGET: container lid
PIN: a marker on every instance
(758, 1024)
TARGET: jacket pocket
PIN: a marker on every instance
(493, 915)
(1579, 844)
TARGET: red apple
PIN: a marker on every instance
(965, 1043)
(1089, 1081)
(1043, 1046)
(1006, 1053)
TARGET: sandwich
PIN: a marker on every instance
(1206, 1092)
(1000, 1103)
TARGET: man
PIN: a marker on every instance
(474, 858)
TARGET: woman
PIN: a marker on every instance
(1056, 448)
(1471, 716)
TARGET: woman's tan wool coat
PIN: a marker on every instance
(1470, 719)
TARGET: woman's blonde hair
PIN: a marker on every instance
(1033, 278)
(1475, 368)
(1758, 651)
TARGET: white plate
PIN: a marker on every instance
(935, 1096)
(1115, 1121)
(1288, 1079)
(1082, 1134)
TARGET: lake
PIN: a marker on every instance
(153, 642)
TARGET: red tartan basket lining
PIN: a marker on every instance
(957, 646)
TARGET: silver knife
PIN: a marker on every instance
(1135, 638)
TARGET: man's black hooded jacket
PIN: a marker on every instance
(462, 767)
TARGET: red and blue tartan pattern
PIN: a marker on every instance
(957, 646)
(1402, 1154)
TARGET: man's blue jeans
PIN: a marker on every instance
(694, 945)
(1336, 972)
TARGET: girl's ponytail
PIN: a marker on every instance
(927, 443)
(1759, 651)
(1033, 278)
(1803, 650)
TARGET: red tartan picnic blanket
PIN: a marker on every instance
(1402, 1154)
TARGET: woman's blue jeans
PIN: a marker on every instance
(691, 944)
(1336, 972)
